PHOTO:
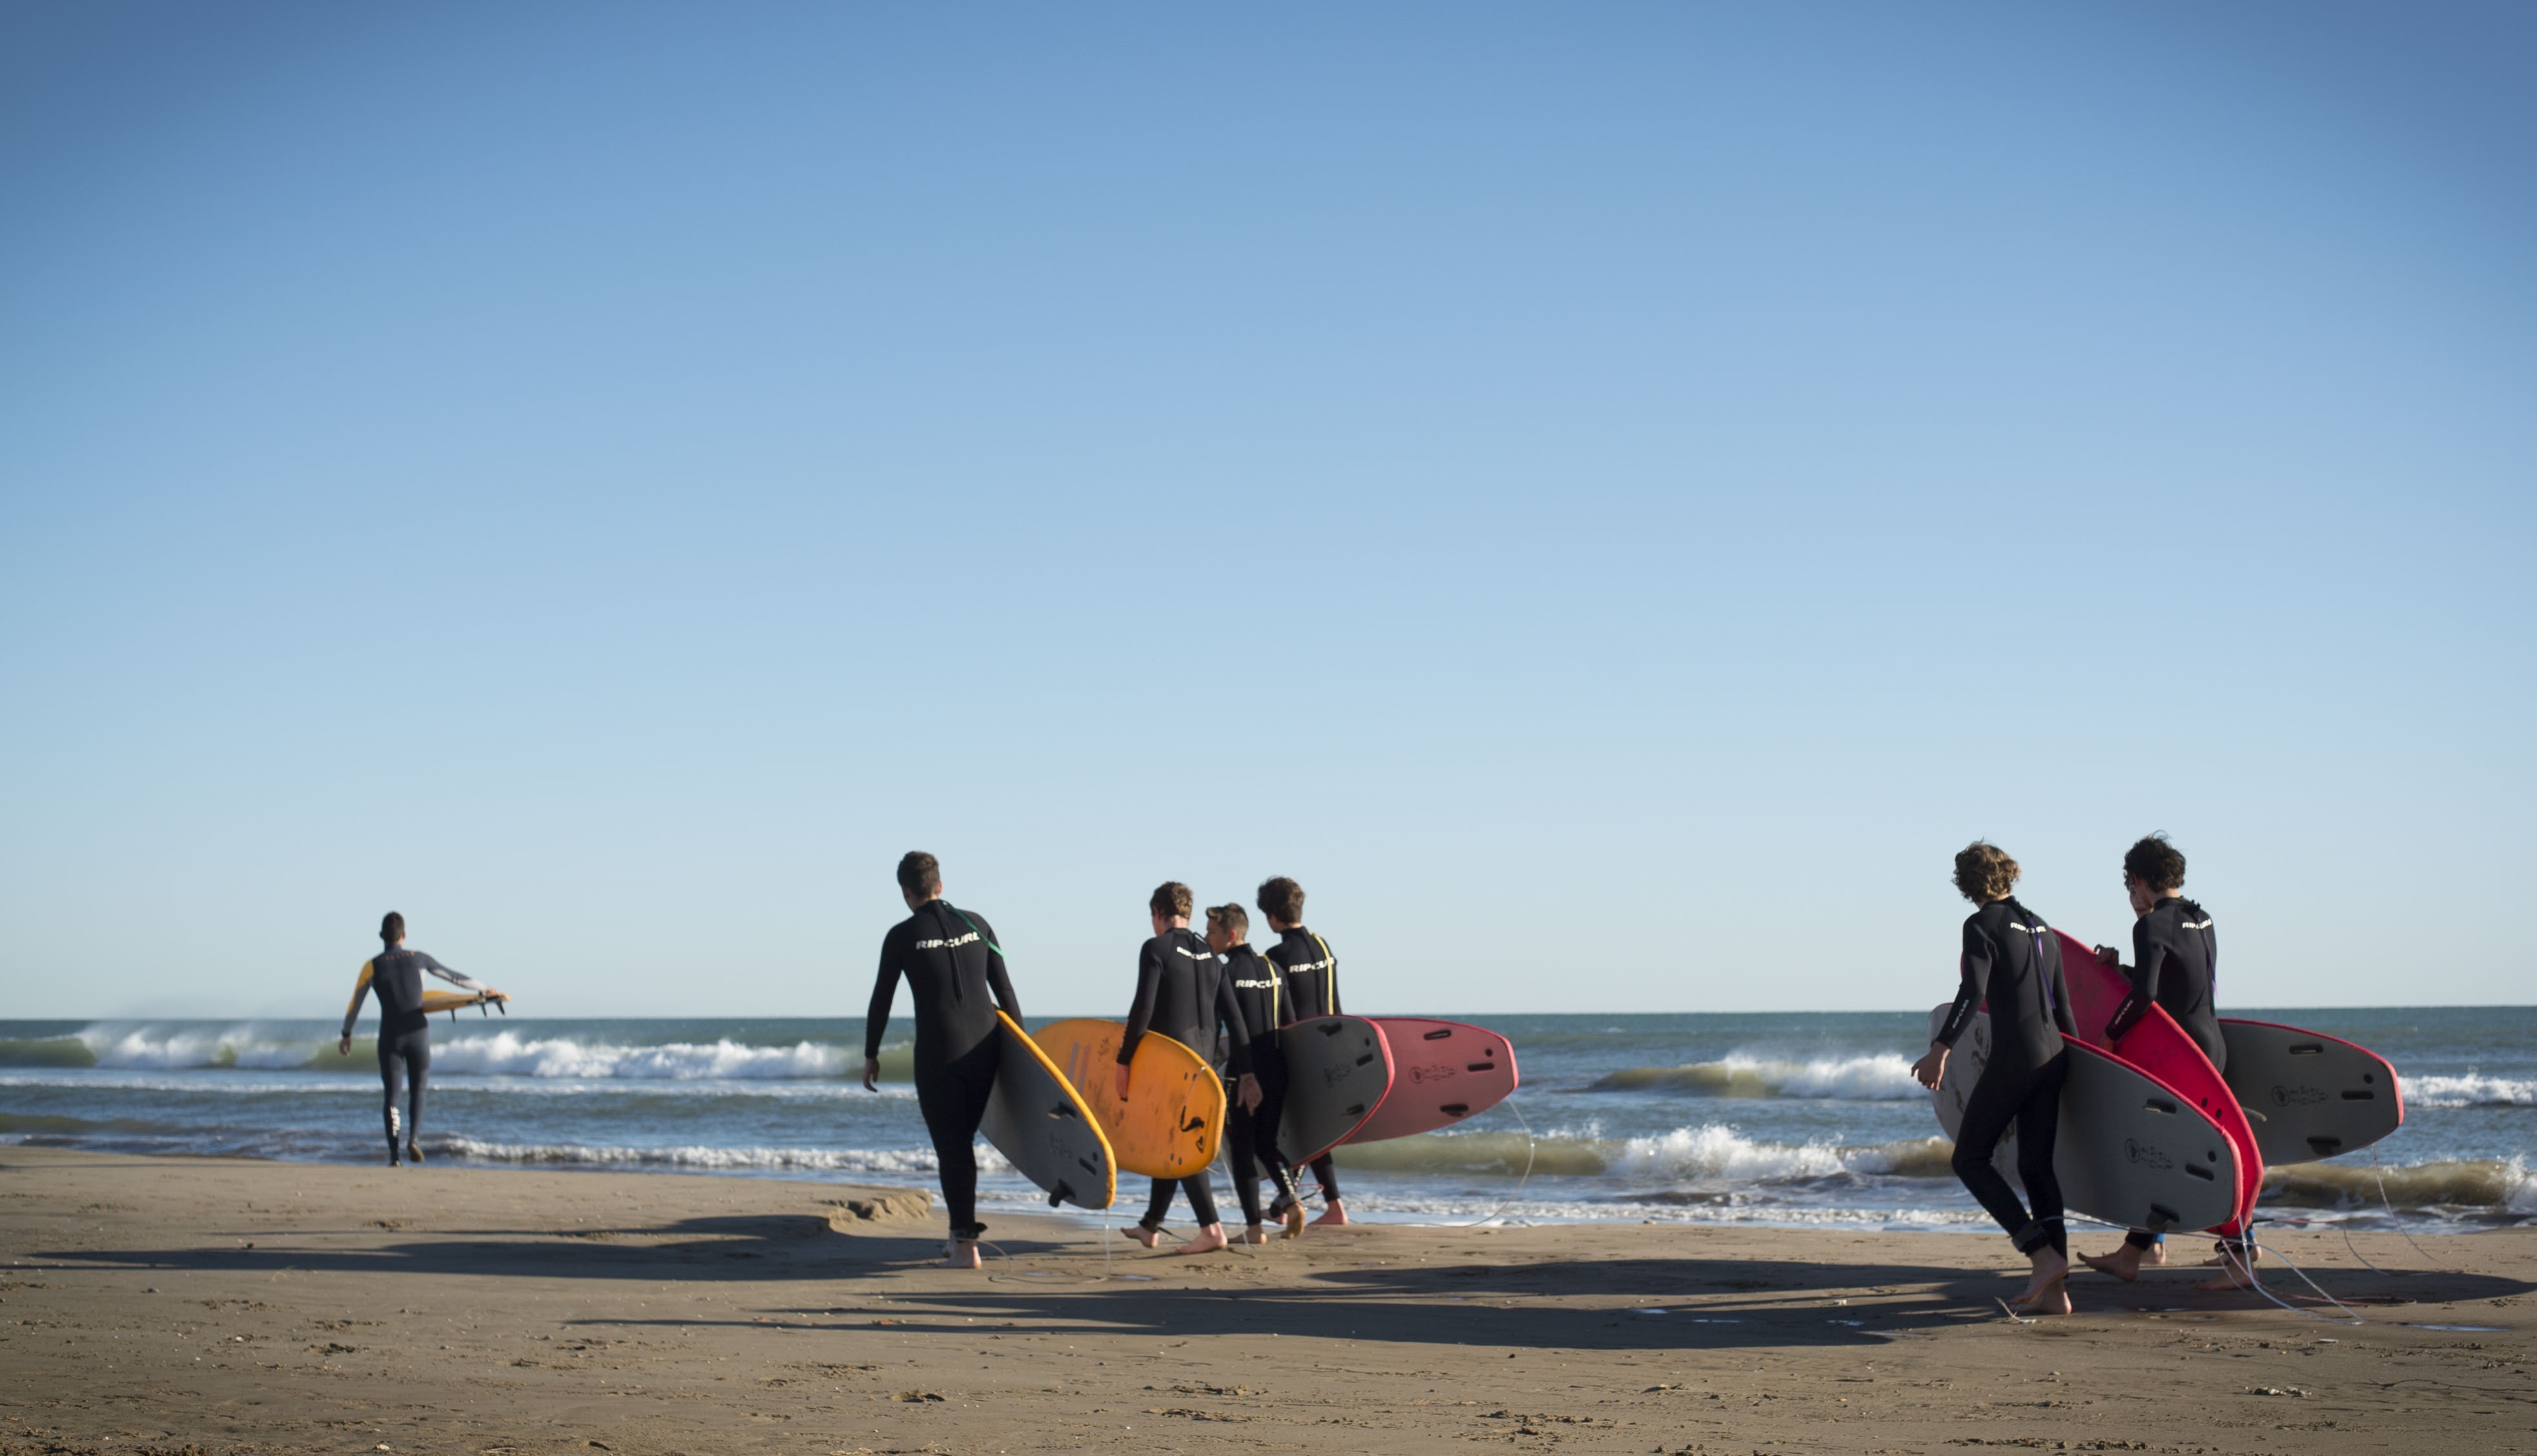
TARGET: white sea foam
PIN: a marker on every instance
(2474, 1089)
(895, 1160)
(150, 1047)
(509, 1055)
(1876, 1077)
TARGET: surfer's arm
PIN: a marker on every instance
(352, 1008)
(1140, 1012)
(1974, 980)
(893, 953)
(1228, 1010)
(2147, 953)
(997, 980)
(456, 979)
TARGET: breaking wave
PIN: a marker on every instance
(148, 1048)
(1883, 1077)
(507, 1054)
(2470, 1090)
(2479, 1184)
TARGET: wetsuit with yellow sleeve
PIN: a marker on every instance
(395, 977)
(1312, 976)
(1251, 1138)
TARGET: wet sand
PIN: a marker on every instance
(171, 1305)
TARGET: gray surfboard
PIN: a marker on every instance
(2125, 1149)
(1338, 1068)
(1035, 1118)
(2309, 1095)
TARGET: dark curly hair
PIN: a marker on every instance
(1984, 871)
(1283, 899)
(2156, 864)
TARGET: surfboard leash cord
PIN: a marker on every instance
(2378, 1171)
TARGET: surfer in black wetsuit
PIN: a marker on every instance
(395, 976)
(955, 977)
(2175, 956)
(1182, 993)
(1251, 1137)
(2012, 962)
(1312, 976)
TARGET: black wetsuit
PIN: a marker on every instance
(956, 976)
(1183, 993)
(2012, 961)
(1251, 1138)
(2176, 958)
(395, 976)
(1312, 975)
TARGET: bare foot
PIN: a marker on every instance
(2053, 1299)
(412, 1153)
(1209, 1241)
(1145, 1236)
(959, 1253)
(2157, 1252)
(2124, 1263)
(1254, 1234)
(2051, 1269)
(1334, 1217)
(1295, 1220)
(2235, 1276)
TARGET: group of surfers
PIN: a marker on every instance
(1214, 991)
(2012, 962)
(1194, 989)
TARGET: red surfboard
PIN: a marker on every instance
(1442, 1072)
(2159, 1047)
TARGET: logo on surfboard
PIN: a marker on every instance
(2146, 1155)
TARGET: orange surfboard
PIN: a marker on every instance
(1174, 1115)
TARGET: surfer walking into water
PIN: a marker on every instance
(2011, 961)
(2175, 956)
(1183, 993)
(955, 977)
(395, 976)
(1312, 975)
(1251, 1136)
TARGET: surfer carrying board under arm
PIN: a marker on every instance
(2176, 957)
(1251, 1134)
(395, 976)
(955, 977)
(2011, 961)
(1312, 975)
(1182, 992)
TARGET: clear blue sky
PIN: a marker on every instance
(1610, 497)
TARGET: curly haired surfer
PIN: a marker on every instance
(2011, 961)
(2176, 958)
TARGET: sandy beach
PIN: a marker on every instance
(217, 1304)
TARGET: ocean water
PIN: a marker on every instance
(1782, 1118)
